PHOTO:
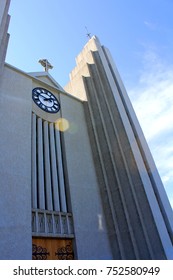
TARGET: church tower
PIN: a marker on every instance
(4, 36)
(77, 179)
(136, 208)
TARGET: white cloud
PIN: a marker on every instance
(152, 99)
(151, 25)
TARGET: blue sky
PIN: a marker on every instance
(139, 36)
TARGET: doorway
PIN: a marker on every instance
(52, 249)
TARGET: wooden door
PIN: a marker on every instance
(52, 249)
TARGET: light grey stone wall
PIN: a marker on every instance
(15, 165)
(91, 236)
(157, 185)
(138, 227)
(4, 36)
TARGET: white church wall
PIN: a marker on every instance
(4, 36)
(15, 165)
(90, 230)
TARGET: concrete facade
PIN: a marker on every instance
(89, 222)
(15, 170)
(4, 36)
(83, 173)
(140, 217)
(17, 165)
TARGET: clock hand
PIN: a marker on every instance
(45, 97)
(48, 99)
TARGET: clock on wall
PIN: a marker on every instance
(45, 100)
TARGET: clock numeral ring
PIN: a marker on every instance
(45, 100)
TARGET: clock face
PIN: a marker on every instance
(45, 100)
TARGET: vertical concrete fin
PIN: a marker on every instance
(4, 36)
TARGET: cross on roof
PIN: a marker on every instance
(46, 64)
(88, 34)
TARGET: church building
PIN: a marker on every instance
(77, 179)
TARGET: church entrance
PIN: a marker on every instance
(52, 249)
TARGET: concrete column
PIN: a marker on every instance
(34, 164)
(41, 193)
(60, 172)
(4, 36)
(55, 186)
(49, 205)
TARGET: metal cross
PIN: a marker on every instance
(88, 34)
(46, 64)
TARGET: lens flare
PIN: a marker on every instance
(62, 124)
